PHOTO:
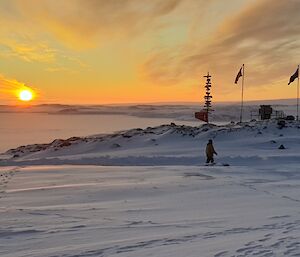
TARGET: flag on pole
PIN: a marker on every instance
(294, 76)
(240, 74)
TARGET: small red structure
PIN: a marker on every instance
(202, 115)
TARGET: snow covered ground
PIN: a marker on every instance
(237, 144)
(25, 125)
(147, 193)
(150, 211)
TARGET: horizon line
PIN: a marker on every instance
(149, 103)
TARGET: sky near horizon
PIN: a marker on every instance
(125, 51)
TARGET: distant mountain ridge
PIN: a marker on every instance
(178, 112)
(289, 101)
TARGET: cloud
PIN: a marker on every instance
(36, 52)
(83, 23)
(216, 35)
(30, 49)
(9, 88)
(265, 20)
(263, 35)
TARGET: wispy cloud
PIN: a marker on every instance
(30, 49)
(10, 84)
(36, 52)
(9, 88)
(83, 23)
(264, 35)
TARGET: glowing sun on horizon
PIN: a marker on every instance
(25, 95)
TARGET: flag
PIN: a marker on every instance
(294, 76)
(202, 115)
(240, 74)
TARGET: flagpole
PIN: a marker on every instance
(242, 102)
(298, 96)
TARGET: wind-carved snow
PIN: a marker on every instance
(169, 205)
(144, 211)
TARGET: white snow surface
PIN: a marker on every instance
(147, 192)
(237, 144)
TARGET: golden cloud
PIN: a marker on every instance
(83, 23)
(263, 35)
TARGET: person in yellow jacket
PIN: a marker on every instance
(210, 151)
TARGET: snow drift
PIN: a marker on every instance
(240, 144)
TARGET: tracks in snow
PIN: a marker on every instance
(5, 178)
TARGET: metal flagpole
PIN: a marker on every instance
(242, 102)
(298, 96)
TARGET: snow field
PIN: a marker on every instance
(150, 211)
(146, 192)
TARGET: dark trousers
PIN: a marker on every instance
(210, 159)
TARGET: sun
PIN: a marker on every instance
(25, 95)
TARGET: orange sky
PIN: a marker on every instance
(124, 51)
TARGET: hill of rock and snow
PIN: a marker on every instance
(237, 144)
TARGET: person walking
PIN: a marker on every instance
(210, 151)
